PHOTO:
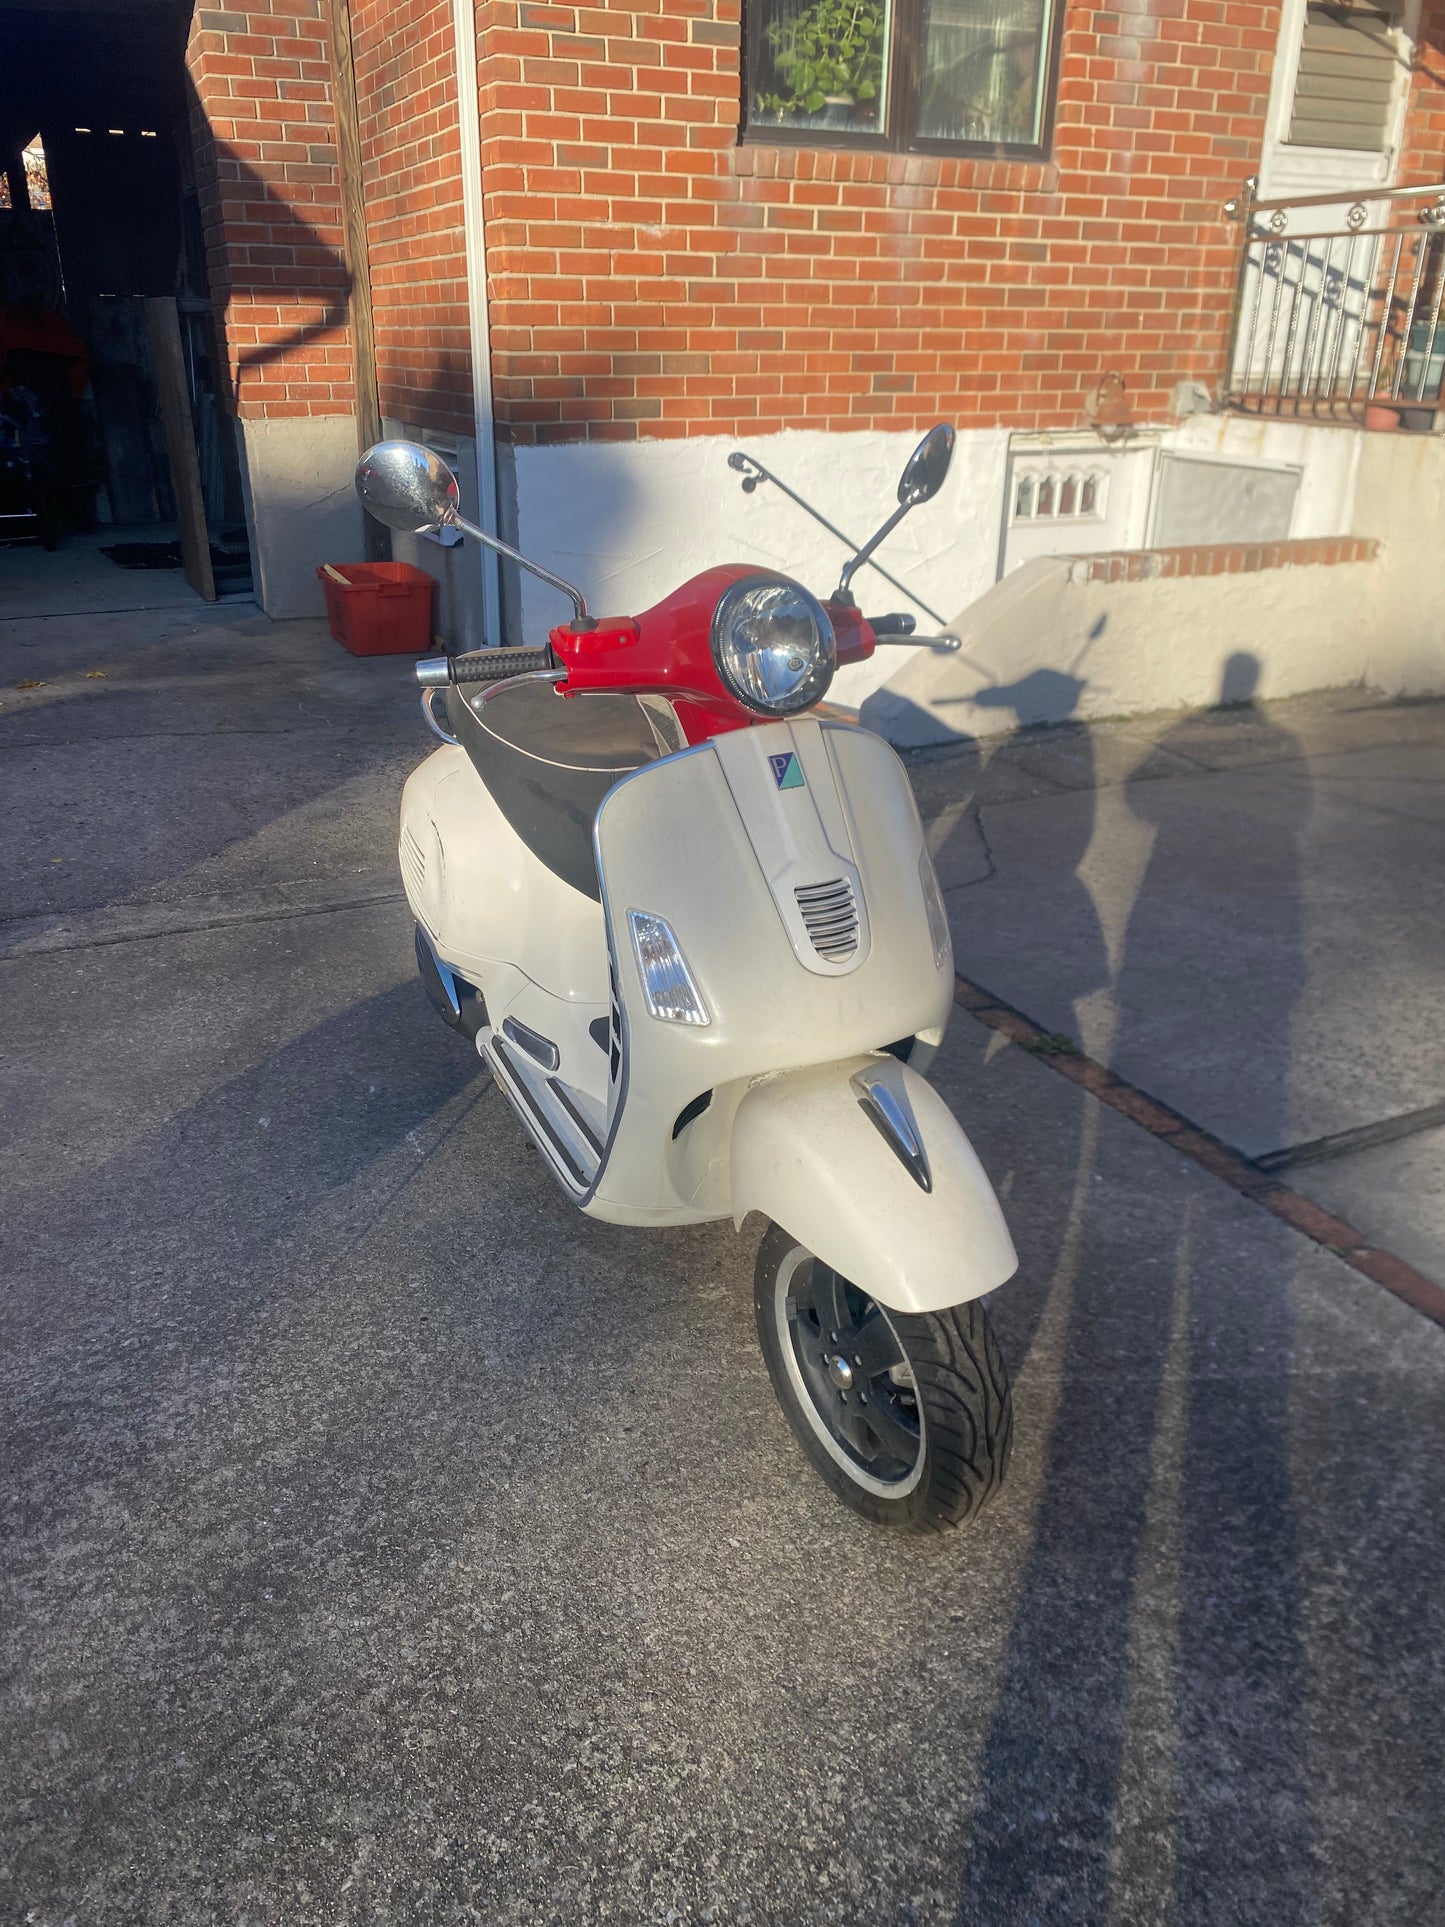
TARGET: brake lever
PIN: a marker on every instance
(940, 645)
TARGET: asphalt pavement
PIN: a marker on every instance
(384, 1542)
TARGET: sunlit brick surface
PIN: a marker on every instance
(266, 161)
(650, 276)
(407, 100)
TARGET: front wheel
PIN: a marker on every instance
(907, 1416)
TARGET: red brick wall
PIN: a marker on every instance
(265, 143)
(1423, 157)
(405, 64)
(651, 277)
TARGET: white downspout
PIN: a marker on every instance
(474, 227)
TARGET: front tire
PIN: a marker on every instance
(907, 1416)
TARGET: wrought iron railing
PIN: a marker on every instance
(1338, 303)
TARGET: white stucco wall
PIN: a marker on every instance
(1041, 647)
(301, 507)
(1401, 500)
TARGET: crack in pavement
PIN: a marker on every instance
(142, 922)
(1242, 1174)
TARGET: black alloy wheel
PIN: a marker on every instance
(908, 1417)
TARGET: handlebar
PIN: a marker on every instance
(482, 665)
(893, 625)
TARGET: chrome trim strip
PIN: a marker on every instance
(559, 1091)
(535, 1117)
(895, 1124)
(444, 971)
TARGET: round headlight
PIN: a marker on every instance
(773, 645)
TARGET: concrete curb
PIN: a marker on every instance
(1219, 1159)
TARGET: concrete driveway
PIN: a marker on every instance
(385, 1543)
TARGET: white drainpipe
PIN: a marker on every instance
(474, 226)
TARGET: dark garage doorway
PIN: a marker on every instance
(115, 429)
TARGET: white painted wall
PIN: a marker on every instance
(1041, 647)
(301, 507)
(1402, 501)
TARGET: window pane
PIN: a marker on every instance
(982, 70)
(819, 64)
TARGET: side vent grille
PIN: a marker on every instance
(413, 859)
(831, 916)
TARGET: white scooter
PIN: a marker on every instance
(690, 922)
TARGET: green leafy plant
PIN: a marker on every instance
(1050, 1043)
(834, 47)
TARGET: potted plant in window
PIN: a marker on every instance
(828, 60)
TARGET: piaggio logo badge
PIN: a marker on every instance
(786, 773)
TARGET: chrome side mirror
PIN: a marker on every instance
(410, 488)
(927, 466)
(407, 487)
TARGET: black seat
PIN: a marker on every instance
(549, 760)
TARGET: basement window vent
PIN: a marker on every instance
(1345, 89)
(1060, 495)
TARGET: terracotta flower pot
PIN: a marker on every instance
(1378, 416)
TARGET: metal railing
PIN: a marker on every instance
(1338, 303)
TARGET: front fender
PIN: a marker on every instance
(806, 1153)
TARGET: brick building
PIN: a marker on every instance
(660, 233)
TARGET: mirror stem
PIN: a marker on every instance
(851, 568)
(579, 601)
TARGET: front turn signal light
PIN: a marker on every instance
(667, 982)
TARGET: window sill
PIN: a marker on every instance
(980, 168)
(845, 140)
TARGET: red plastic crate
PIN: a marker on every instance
(380, 608)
